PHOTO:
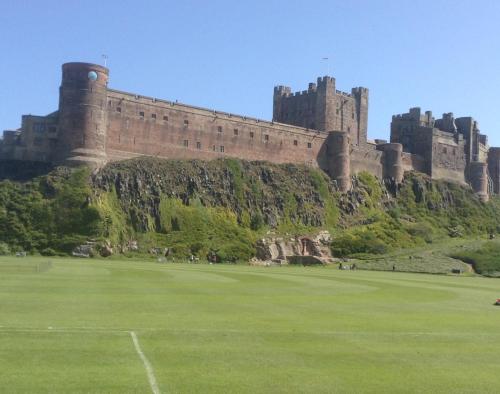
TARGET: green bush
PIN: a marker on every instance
(257, 221)
(423, 231)
(360, 242)
(4, 249)
(48, 252)
(486, 260)
(234, 252)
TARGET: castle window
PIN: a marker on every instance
(186, 123)
(38, 127)
(349, 128)
(251, 134)
(309, 145)
(295, 142)
(219, 129)
(235, 131)
(153, 116)
(186, 143)
(445, 151)
(213, 148)
(141, 115)
(165, 118)
(118, 109)
(337, 111)
(198, 145)
(266, 137)
(353, 115)
(222, 148)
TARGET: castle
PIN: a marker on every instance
(320, 126)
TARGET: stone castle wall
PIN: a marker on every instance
(321, 127)
(147, 126)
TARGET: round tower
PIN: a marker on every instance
(478, 175)
(83, 114)
(494, 168)
(339, 159)
(393, 161)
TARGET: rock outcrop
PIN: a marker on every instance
(303, 250)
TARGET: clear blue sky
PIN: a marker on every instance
(442, 55)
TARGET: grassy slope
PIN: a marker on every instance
(217, 328)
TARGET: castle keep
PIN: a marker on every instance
(320, 126)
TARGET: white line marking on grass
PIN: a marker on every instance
(237, 331)
(147, 364)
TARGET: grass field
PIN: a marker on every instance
(67, 327)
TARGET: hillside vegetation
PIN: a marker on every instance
(222, 207)
(485, 260)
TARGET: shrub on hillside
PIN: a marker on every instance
(422, 230)
(4, 249)
(486, 260)
(40, 213)
(48, 252)
(234, 252)
(361, 242)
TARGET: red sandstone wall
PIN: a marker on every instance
(368, 159)
(141, 125)
(413, 162)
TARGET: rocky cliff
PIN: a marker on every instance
(221, 209)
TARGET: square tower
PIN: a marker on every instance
(322, 107)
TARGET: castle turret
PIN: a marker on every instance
(325, 104)
(478, 175)
(339, 160)
(82, 114)
(361, 96)
(393, 161)
(494, 168)
(279, 92)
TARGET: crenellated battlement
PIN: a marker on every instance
(324, 108)
(281, 90)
